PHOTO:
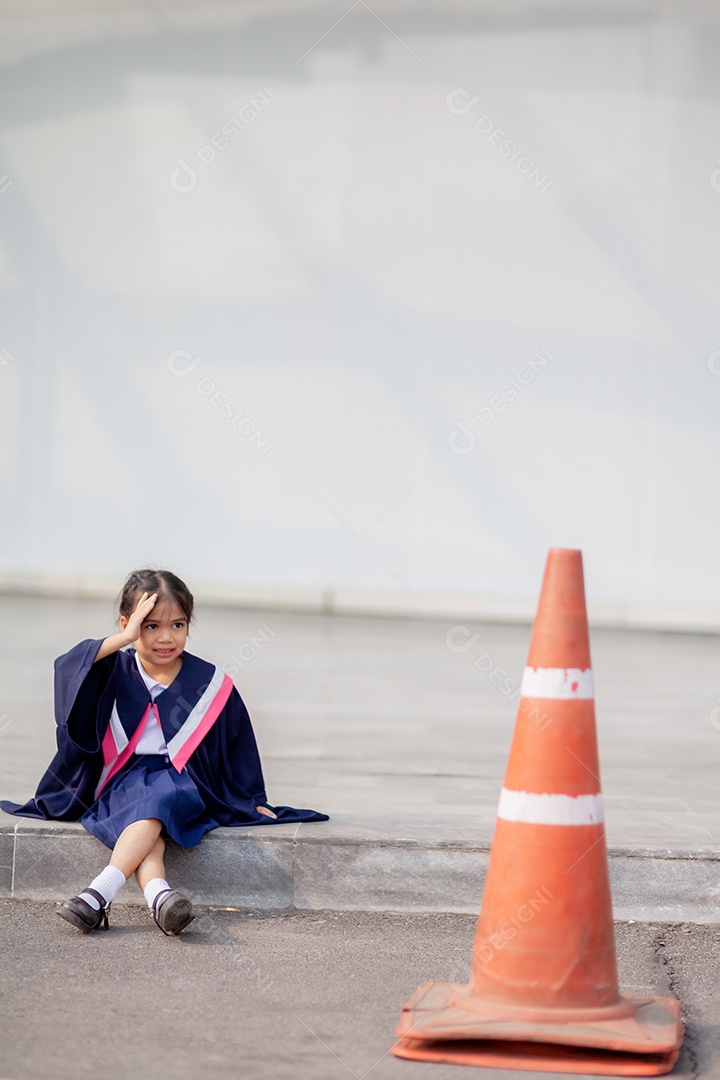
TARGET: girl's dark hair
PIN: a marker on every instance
(166, 584)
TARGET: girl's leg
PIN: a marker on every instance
(134, 844)
(89, 910)
(153, 865)
(150, 874)
(171, 910)
(139, 849)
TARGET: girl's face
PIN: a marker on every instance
(162, 636)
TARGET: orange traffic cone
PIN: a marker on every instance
(544, 991)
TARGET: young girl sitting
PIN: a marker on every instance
(152, 742)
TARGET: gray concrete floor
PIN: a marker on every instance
(378, 721)
(276, 998)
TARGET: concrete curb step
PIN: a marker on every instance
(313, 868)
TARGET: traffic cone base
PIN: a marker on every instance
(539, 1057)
(544, 993)
(634, 1036)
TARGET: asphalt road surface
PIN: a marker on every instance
(276, 997)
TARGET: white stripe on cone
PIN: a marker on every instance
(534, 809)
(561, 684)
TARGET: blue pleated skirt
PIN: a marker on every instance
(150, 787)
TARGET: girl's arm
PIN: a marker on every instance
(113, 644)
(131, 627)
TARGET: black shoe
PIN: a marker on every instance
(81, 914)
(172, 911)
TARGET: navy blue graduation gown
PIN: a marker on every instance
(225, 766)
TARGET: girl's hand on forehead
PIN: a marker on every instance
(142, 609)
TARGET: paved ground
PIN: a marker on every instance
(396, 734)
(275, 998)
(400, 730)
(383, 724)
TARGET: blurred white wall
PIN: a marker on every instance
(365, 305)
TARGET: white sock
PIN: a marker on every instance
(108, 884)
(153, 888)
